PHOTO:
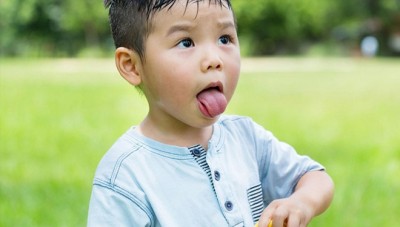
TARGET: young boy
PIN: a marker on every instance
(186, 164)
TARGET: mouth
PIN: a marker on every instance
(212, 101)
(213, 86)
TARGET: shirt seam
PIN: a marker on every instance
(119, 162)
(159, 152)
(115, 188)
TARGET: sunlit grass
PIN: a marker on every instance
(58, 117)
(57, 120)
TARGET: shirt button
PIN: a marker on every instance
(196, 152)
(217, 175)
(229, 205)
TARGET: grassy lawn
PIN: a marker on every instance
(58, 117)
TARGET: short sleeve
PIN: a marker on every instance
(110, 208)
(280, 166)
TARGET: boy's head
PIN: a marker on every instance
(131, 20)
(184, 56)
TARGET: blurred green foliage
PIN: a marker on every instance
(75, 28)
(52, 27)
(290, 27)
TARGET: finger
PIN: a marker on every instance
(265, 217)
(266, 222)
(279, 216)
(293, 221)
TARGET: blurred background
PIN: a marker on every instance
(76, 28)
(322, 75)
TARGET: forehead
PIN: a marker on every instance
(158, 5)
(192, 10)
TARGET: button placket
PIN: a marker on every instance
(221, 190)
(228, 202)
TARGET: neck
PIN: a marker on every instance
(177, 135)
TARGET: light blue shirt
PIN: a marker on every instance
(141, 182)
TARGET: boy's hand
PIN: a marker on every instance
(312, 195)
(287, 212)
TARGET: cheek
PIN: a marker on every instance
(232, 86)
(174, 84)
(233, 73)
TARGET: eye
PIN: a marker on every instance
(224, 40)
(186, 43)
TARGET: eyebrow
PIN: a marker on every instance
(179, 28)
(185, 27)
(225, 24)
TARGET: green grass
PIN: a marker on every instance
(58, 117)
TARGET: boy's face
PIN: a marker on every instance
(190, 49)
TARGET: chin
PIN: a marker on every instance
(208, 121)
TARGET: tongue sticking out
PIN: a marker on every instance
(212, 102)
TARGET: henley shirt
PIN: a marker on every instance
(142, 182)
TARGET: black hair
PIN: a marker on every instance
(130, 20)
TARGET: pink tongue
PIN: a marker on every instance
(212, 102)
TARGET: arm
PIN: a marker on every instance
(312, 196)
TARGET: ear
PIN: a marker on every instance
(128, 64)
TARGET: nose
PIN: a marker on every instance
(211, 60)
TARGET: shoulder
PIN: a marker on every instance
(119, 151)
(114, 184)
(121, 165)
(243, 125)
(235, 121)
(124, 164)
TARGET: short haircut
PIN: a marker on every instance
(130, 20)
